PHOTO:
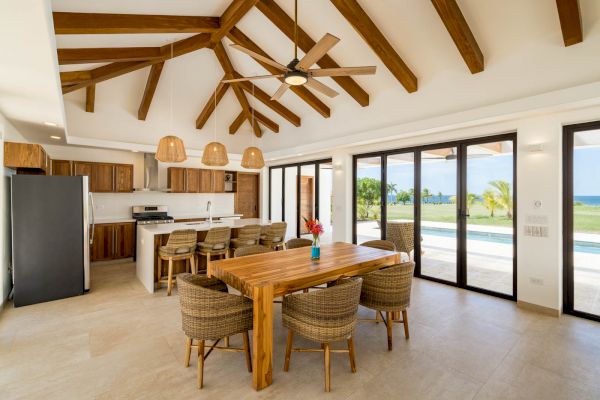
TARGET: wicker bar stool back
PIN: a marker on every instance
(274, 235)
(323, 316)
(380, 244)
(216, 243)
(403, 236)
(248, 235)
(388, 290)
(180, 246)
(251, 250)
(296, 243)
(208, 312)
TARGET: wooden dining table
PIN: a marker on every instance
(262, 277)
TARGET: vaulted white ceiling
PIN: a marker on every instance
(521, 42)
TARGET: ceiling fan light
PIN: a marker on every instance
(217, 157)
(253, 158)
(295, 78)
(170, 149)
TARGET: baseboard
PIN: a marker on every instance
(539, 309)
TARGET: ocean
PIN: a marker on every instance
(445, 199)
(588, 200)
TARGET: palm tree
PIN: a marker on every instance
(391, 189)
(491, 201)
(425, 194)
(505, 196)
(440, 195)
(471, 199)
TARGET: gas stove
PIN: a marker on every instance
(145, 215)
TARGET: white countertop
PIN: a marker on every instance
(113, 220)
(205, 215)
(162, 229)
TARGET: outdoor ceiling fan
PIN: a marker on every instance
(453, 156)
(298, 72)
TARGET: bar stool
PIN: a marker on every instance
(248, 235)
(296, 243)
(216, 243)
(274, 235)
(180, 246)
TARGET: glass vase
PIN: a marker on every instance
(316, 248)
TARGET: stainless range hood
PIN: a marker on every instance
(150, 174)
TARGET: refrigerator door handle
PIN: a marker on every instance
(93, 218)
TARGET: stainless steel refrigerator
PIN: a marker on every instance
(50, 237)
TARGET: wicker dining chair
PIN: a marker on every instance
(402, 234)
(180, 246)
(389, 290)
(216, 243)
(380, 244)
(274, 235)
(248, 235)
(251, 250)
(323, 316)
(208, 312)
(296, 243)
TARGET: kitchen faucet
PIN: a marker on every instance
(209, 209)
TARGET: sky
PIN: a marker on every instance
(586, 171)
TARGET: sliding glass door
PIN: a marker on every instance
(449, 207)
(582, 220)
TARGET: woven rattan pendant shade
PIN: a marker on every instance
(253, 158)
(215, 155)
(170, 149)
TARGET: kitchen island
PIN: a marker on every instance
(151, 237)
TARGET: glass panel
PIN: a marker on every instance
(586, 221)
(291, 218)
(368, 199)
(400, 202)
(438, 213)
(490, 216)
(325, 200)
(307, 197)
(276, 194)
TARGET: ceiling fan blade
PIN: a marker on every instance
(317, 52)
(251, 78)
(326, 90)
(259, 57)
(284, 86)
(343, 71)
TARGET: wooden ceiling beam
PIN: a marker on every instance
(570, 21)
(265, 98)
(286, 25)
(68, 23)
(461, 34)
(266, 121)
(232, 15)
(238, 37)
(237, 123)
(107, 54)
(151, 84)
(90, 98)
(75, 77)
(365, 27)
(209, 107)
(239, 93)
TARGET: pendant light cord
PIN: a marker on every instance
(252, 134)
(171, 96)
(295, 29)
(215, 110)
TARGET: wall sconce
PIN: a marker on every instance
(337, 167)
(535, 148)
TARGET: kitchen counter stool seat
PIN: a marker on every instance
(180, 246)
(216, 243)
(274, 235)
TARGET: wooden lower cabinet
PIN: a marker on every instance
(113, 241)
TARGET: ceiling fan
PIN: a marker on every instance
(298, 72)
(453, 156)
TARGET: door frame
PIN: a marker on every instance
(461, 262)
(316, 192)
(568, 223)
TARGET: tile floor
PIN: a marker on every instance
(119, 342)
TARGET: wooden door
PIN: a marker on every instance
(103, 177)
(124, 240)
(205, 181)
(104, 242)
(123, 178)
(176, 179)
(307, 199)
(83, 169)
(62, 168)
(192, 180)
(246, 199)
(218, 181)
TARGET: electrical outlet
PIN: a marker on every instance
(536, 281)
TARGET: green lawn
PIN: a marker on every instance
(587, 219)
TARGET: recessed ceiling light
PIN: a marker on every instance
(299, 154)
(55, 137)
(50, 123)
(134, 151)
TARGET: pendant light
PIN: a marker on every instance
(171, 148)
(215, 153)
(253, 156)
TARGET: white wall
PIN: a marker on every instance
(7, 132)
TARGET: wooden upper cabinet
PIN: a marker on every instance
(83, 169)
(218, 181)
(103, 177)
(123, 178)
(176, 179)
(192, 180)
(205, 181)
(62, 168)
(25, 155)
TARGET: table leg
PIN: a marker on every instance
(262, 337)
